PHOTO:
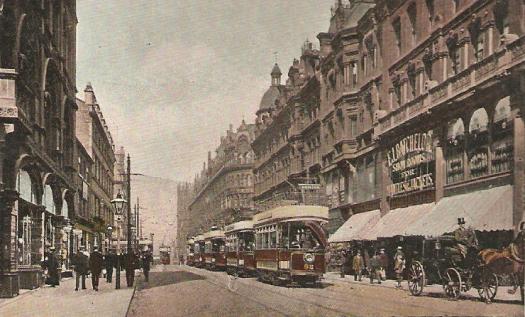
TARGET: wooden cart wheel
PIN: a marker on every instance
(416, 278)
(452, 283)
(488, 286)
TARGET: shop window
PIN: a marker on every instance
(455, 151)
(502, 143)
(24, 241)
(478, 143)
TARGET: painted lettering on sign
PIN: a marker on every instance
(411, 164)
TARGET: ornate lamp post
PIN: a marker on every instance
(118, 203)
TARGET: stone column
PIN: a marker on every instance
(8, 244)
(37, 226)
(439, 171)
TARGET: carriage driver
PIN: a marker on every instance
(465, 239)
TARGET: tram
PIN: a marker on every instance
(290, 244)
(190, 255)
(198, 250)
(240, 247)
(214, 249)
(165, 252)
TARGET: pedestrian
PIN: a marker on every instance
(51, 264)
(80, 265)
(342, 262)
(383, 265)
(357, 265)
(146, 263)
(374, 268)
(399, 265)
(110, 262)
(96, 262)
(130, 264)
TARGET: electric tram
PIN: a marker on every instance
(290, 244)
(240, 247)
(214, 249)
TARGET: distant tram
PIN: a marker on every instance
(199, 251)
(240, 247)
(290, 244)
(214, 249)
(165, 252)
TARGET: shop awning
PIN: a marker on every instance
(356, 227)
(483, 210)
(396, 221)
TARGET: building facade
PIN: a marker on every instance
(428, 98)
(37, 136)
(184, 220)
(223, 190)
(288, 132)
(94, 136)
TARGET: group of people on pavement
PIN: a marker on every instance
(465, 245)
(95, 263)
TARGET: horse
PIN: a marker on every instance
(508, 261)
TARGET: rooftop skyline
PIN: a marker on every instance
(171, 85)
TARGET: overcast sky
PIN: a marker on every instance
(170, 76)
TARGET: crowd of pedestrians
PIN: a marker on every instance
(97, 264)
(372, 265)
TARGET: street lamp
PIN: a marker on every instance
(118, 203)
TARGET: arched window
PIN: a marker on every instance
(65, 209)
(502, 144)
(478, 143)
(47, 199)
(455, 150)
(24, 186)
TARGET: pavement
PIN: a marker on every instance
(435, 290)
(63, 300)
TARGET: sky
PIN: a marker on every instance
(170, 76)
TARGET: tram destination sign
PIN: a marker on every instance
(411, 164)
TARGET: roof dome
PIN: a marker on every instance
(276, 70)
(269, 98)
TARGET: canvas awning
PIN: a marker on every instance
(356, 227)
(483, 210)
(396, 221)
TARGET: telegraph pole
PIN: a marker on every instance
(129, 204)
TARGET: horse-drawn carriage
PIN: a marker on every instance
(438, 264)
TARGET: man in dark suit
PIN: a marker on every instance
(80, 263)
(96, 262)
(110, 262)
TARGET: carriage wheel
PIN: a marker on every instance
(416, 278)
(452, 283)
(488, 286)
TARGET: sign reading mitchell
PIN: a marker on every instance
(411, 164)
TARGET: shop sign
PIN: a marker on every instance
(411, 164)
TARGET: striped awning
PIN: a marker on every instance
(356, 227)
(483, 210)
(397, 221)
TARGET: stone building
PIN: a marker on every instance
(184, 220)
(428, 98)
(223, 191)
(288, 132)
(120, 185)
(93, 134)
(37, 136)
